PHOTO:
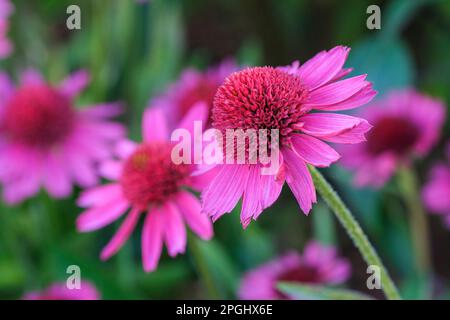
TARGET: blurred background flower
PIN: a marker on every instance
(136, 52)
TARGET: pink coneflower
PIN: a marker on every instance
(45, 141)
(282, 98)
(6, 8)
(436, 192)
(147, 181)
(319, 265)
(406, 123)
(192, 87)
(60, 291)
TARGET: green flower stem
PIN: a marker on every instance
(202, 268)
(418, 220)
(354, 231)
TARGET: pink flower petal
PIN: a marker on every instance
(198, 112)
(56, 178)
(152, 239)
(122, 235)
(352, 136)
(251, 204)
(336, 92)
(299, 180)
(125, 148)
(31, 77)
(75, 83)
(314, 151)
(323, 67)
(174, 229)
(101, 111)
(360, 98)
(100, 195)
(327, 124)
(190, 208)
(222, 195)
(111, 169)
(98, 217)
(154, 126)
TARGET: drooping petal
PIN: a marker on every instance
(190, 208)
(198, 112)
(98, 217)
(222, 195)
(56, 178)
(251, 204)
(75, 83)
(122, 235)
(352, 136)
(154, 125)
(174, 229)
(299, 180)
(314, 151)
(125, 148)
(152, 239)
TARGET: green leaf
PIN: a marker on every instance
(308, 292)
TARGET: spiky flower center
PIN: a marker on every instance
(149, 175)
(392, 134)
(260, 98)
(38, 115)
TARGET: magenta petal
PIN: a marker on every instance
(314, 151)
(31, 77)
(102, 111)
(190, 208)
(154, 125)
(299, 180)
(111, 169)
(336, 92)
(125, 148)
(56, 178)
(360, 98)
(323, 67)
(174, 229)
(98, 217)
(198, 112)
(122, 235)
(270, 190)
(251, 205)
(352, 136)
(152, 239)
(75, 83)
(225, 190)
(327, 124)
(99, 195)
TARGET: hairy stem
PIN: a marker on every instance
(355, 232)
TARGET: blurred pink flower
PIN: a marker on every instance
(6, 9)
(193, 86)
(147, 181)
(59, 291)
(282, 98)
(45, 141)
(406, 123)
(319, 265)
(436, 192)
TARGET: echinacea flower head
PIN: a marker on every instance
(319, 265)
(192, 87)
(285, 99)
(436, 192)
(147, 182)
(6, 8)
(60, 291)
(406, 124)
(46, 141)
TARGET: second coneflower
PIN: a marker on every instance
(147, 182)
(283, 98)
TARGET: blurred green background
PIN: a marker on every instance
(134, 50)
